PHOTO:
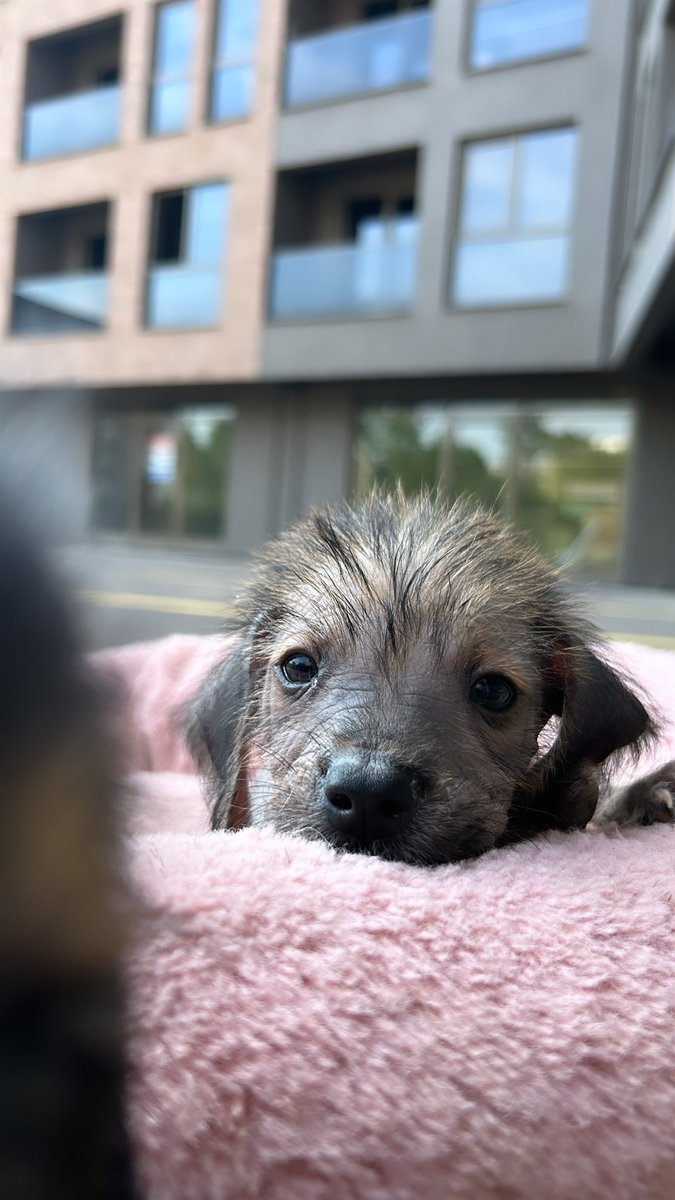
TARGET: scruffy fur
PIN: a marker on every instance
(403, 605)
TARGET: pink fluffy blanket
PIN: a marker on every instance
(307, 1026)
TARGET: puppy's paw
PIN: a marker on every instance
(648, 801)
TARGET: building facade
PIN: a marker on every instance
(255, 254)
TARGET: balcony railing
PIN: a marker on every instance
(61, 303)
(345, 280)
(72, 124)
(383, 54)
(183, 297)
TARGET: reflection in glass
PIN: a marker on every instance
(207, 441)
(508, 31)
(558, 473)
(515, 219)
(375, 275)
(60, 303)
(72, 124)
(205, 234)
(487, 187)
(232, 92)
(186, 277)
(183, 297)
(511, 272)
(387, 53)
(233, 75)
(170, 106)
(159, 481)
(171, 86)
(163, 475)
(432, 445)
(570, 486)
(174, 38)
(546, 182)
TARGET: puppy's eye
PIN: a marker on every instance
(494, 692)
(298, 668)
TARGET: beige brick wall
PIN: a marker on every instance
(127, 175)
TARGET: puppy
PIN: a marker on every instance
(412, 681)
(62, 1130)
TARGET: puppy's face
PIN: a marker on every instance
(407, 744)
(398, 665)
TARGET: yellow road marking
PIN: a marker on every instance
(140, 601)
(608, 608)
(659, 641)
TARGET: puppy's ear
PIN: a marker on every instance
(599, 715)
(216, 734)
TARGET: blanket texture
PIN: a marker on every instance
(306, 1025)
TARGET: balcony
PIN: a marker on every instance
(73, 98)
(72, 124)
(344, 280)
(389, 53)
(61, 303)
(61, 278)
(345, 239)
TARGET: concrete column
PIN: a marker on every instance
(329, 438)
(648, 557)
(46, 459)
(254, 473)
(292, 452)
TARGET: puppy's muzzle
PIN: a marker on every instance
(368, 798)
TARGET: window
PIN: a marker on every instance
(163, 474)
(515, 219)
(185, 279)
(233, 72)
(557, 471)
(511, 31)
(171, 80)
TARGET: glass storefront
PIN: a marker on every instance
(556, 471)
(164, 474)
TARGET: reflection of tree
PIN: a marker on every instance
(562, 487)
(203, 467)
(568, 488)
(392, 449)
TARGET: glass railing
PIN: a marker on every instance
(364, 58)
(72, 124)
(329, 281)
(184, 297)
(61, 303)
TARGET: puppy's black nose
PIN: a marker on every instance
(369, 798)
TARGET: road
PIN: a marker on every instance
(130, 593)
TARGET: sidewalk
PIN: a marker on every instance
(130, 592)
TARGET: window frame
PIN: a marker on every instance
(158, 80)
(540, 233)
(217, 64)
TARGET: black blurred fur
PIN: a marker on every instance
(62, 1134)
